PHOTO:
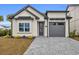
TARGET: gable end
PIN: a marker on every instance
(11, 17)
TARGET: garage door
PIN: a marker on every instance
(56, 29)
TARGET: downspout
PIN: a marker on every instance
(47, 23)
(11, 28)
(69, 25)
(47, 27)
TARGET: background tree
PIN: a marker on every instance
(9, 17)
(1, 18)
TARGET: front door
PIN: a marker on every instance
(41, 28)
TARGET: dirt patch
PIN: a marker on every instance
(12, 46)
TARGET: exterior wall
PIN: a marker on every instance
(34, 24)
(16, 28)
(40, 20)
(24, 13)
(58, 15)
(74, 22)
(36, 13)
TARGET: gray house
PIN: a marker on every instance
(30, 22)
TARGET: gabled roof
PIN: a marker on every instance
(33, 14)
(29, 11)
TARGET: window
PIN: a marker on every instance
(24, 27)
(21, 27)
(27, 27)
(60, 23)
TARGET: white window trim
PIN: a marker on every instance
(24, 28)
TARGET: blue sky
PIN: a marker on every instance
(6, 9)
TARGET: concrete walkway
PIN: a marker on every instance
(53, 46)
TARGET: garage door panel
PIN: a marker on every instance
(57, 30)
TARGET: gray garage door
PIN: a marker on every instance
(56, 29)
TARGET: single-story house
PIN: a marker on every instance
(30, 22)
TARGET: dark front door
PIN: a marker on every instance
(41, 28)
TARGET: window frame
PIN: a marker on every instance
(24, 27)
(27, 27)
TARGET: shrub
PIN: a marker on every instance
(30, 37)
(24, 36)
(7, 36)
(4, 32)
(17, 37)
(77, 35)
(72, 34)
(9, 32)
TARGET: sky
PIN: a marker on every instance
(6, 9)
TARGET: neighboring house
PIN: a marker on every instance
(74, 13)
(30, 22)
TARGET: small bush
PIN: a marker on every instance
(9, 32)
(5, 32)
(76, 35)
(72, 34)
(17, 37)
(24, 37)
(7, 36)
(30, 37)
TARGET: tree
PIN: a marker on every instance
(1, 18)
(9, 17)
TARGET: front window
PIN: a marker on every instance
(21, 27)
(27, 27)
(24, 27)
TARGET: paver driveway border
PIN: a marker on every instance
(53, 46)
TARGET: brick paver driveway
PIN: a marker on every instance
(53, 46)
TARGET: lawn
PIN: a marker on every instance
(12, 46)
